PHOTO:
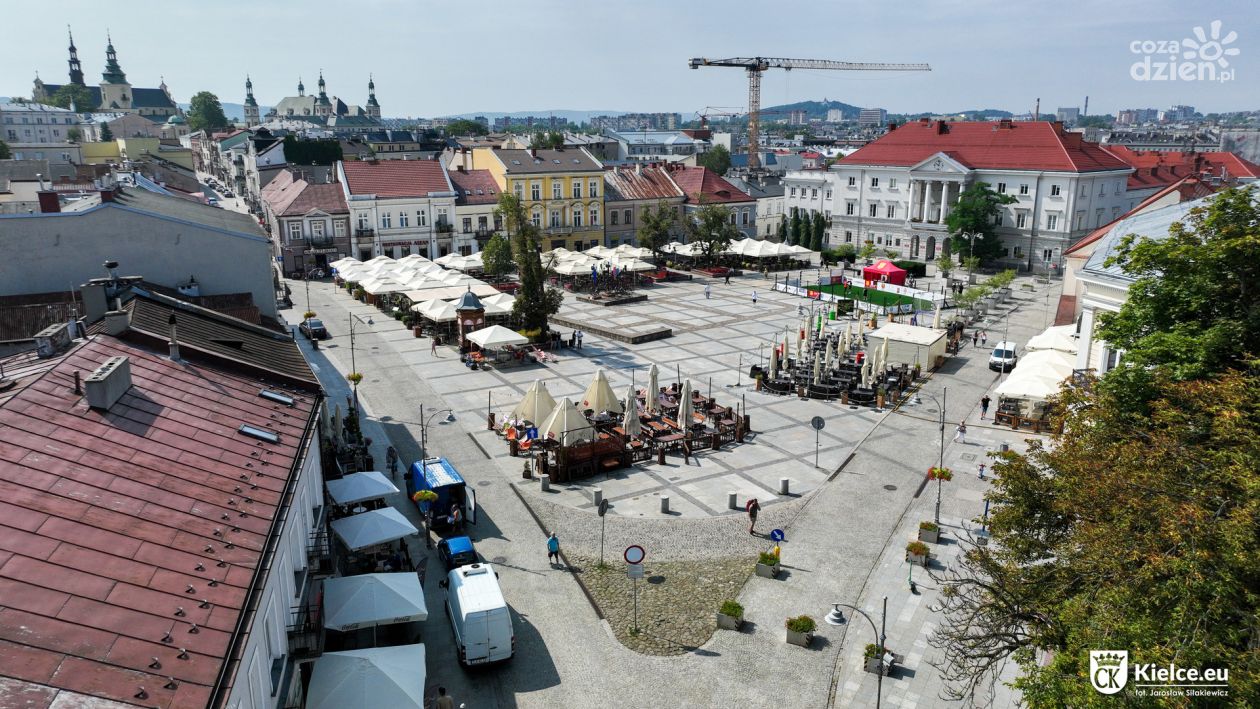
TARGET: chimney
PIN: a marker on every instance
(174, 343)
(892, 126)
(924, 121)
(108, 383)
(94, 305)
(1058, 126)
(940, 128)
(107, 196)
(533, 153)
(48, 202)
(117, 322)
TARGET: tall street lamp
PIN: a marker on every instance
(836, 617)
(354, 371)
(424, 427)
(971, 254)
(940, 461)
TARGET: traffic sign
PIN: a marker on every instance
(634, 571)
(818, 423)
(634, 554)
(776, 535)
(603, 507)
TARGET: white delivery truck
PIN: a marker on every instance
(479, 616)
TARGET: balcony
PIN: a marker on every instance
(365, 233)
(306, 634)
(444, 227)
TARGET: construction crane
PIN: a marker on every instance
(756, 65)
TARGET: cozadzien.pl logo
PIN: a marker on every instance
(1203, 57)
(1109, 673)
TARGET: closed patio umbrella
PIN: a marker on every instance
(831, 352)
(685, 408)
(936, 317)
(774, 359)
(818, 370)
(630, 422)
(650, 399)
(866, 372)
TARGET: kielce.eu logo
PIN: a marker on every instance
(1108, 670)
(1203, 57)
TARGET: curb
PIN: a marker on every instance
(585, 591)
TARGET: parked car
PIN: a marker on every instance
(1003, 357)
(228, 194)
(313, 329)
(479, 615)
(455, 552)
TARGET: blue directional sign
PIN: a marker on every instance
(776, 535)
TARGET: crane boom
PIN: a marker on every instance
(754, 66)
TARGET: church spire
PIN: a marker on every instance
(113, 73)
(373, 108)
(301, 87)
(76, 69)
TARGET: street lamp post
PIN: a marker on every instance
(836, 617)
(940, 461)
(971, 253)
(353, 369)
(424, 428)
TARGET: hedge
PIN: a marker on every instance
(915, 269)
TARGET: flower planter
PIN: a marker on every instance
(418, 331)
(728, 622)
(920, 559)
(767, 571)
(929, 536)
(873, 666)
(802, 639)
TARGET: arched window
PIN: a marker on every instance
(594, 214)
(577, 215)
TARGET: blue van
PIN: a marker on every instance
(438, 475)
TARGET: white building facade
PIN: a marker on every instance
(399, 208)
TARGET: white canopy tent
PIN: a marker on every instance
(367, 600)
(357, 487)
(628, 251)
(574, 267)
(504, 300)
(436, 310)
(372, 677)
(567, 425)
(1038, 376)
(600, 251)
(1061, 338)
(496, 336)
(368, 529)
(633, 265)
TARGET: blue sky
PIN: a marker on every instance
(437, 58)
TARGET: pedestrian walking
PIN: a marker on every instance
(960, 433)
(984, 406)
(579, 334)
(708, 291)
(752, 507)
(984, 337)
(444, 700)
(553, 548)
(391, 460)
(982, 471)
(728, 278)
(433, 346)
(754, 296)
(975, 338)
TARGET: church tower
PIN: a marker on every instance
(323, 107)
(251, 106)
(301, 87)
(373, 108)
(76, 69)
(115, 91)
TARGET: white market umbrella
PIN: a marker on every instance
(444, 260)
(861, 325)
(502, 299)
(883, 352)
(685, 408)
(372, 677)
(866, 372)
(936, 317)
(600, 252)
(573, 268)
(800, 338)
(831, 352)
(650, 399)
(817, 370)
(536, 406)
(436, 310)
(774, 359)
(1061, 338)
(630, 422)
(567, 425)
(633, 265)
(367, 600)
(599, 395)
(357, 487)
(496, 336)
(371, 528)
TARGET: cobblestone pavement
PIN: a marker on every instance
(844, 540)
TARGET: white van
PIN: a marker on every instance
(479, 616)
(1003, 358)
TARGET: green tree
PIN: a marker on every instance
(206, 113)
(945, 261)
(867, 252)
(107, 135)
(547, 141)
(711, 228)
(1155, 552)
(5, 153)
(783, 231)
(656, 228)
(80, 96)
(974, 213)
(464, 126)
(717, 159)
(497, 256)
(796, 229)
(535, 302)
(820, 232)
(74, 135)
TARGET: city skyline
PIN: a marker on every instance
(1072, 57)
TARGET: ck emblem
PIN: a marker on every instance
(1108, 670)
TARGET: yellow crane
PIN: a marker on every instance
(755, 66)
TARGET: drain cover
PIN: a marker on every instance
(890, 488)
(483, 483)
(499, 560)
(969, 456)
(656, 579)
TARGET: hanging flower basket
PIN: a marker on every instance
(354, 377)
(935, 473)
(308, 315)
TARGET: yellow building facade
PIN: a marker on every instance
(562, 191)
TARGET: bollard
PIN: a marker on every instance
(545, 480)
(599, 495)
(490, 422)
(664, 504)
(732, 500)
(1006, 447)
(783, 486)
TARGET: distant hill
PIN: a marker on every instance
(573, 116)
(815, 109)
(982, 114)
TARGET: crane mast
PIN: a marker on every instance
(756, 66)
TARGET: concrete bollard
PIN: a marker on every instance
(598, 495)
(545, 481)
(1006, 447)
(783, 486)
(664, 504)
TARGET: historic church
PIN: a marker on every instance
(114, 94)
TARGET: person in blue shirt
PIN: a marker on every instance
(553, 549)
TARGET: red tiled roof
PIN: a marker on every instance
(1165, 167)
(994, 145)
(1065, 314)
(299, 197)
(396, 178)
(106, 518)
(474, 186)
(701, 184)
(631, 183)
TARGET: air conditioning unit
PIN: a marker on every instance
(52, 339)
